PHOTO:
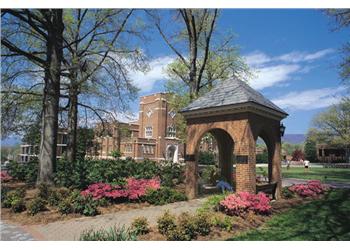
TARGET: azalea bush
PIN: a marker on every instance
(133, 190)
(242, 202)
(4, 176)
(310, 189)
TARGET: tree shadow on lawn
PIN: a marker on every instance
(325, 219)
(336, 175)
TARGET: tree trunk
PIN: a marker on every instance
(48, 145)
(72, 119)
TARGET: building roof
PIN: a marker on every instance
(229, 93)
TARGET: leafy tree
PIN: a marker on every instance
(36, 37)
(334, 125)
(298, 155)
(342, 20)
(203, 55)
(310, 150)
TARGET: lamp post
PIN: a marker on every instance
(282, 129)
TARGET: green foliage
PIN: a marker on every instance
(166, 223)
(170, 173)
(212, 203)
(36, 205)
(206, 158)
(65, 206)
(12, 198)
(164, 195)
(27, 172)
(71, 175)
(112, 234)
(44, 191)
(18, 205)
(310, 150)
(223, 221)
(85, 138)
(140, 226)
(287, 194)
(116, 154)
(188, 227)
(85, 205)
(211, 174)
(262, 158)
(203, 223)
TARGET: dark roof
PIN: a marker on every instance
(230, 92)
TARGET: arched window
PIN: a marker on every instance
(171, 131)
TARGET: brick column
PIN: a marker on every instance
(245, 165)
(277, 168)
(191, 179)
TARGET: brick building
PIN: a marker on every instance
(30, 151)
(153, 136)
(327, 153)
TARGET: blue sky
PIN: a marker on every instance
(293, 53)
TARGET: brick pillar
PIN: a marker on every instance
(191, 179)
(245, 165)
(277, 167)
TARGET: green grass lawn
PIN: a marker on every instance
(314, 173)
(326, 219)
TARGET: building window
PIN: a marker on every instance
(320, 152)
(148, 149)
(172, 114)
(171, 131)
(128, 148)
(148, 132)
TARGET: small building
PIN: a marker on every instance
(330, 154)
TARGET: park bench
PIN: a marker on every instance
(269, 188)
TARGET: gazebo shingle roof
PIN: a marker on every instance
(231, 92)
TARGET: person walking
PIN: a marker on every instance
(288, 164)
(306, 165)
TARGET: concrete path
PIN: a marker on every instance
(71, 230)
(9, 232)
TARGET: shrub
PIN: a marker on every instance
(13, 197)
(4, 176)
(36, 205)
(202, 223)
(65, 206)
(71, 175)
(206, 158)
(166, 223)
(243, 202)
(223, 221)
(163, 196)
(112, 234)
(212, 203)
(170, 173)
(140, 226)
(17, 205)
(310, 189)
(27, 172)
(44, 191)
(54, 198)
(85, 205)
(133, 190)
(287, 194)
(211, 174)
(116, 154)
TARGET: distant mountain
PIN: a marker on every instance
(294, 138)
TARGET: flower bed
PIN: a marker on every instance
(310, 189)
(241, 203)
(133, 190)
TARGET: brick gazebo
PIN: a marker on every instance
(236, 115)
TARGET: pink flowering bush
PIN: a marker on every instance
(133, 190)
(243, 202)
(4, 176)
(310, 189)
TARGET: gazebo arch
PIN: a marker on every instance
(236, 115)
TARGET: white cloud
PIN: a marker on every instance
(276, 70)
(297, 56)
(272, 75)
(146, 81)
(310, 99)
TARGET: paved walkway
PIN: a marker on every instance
(71, 229)
(13, 232)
